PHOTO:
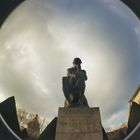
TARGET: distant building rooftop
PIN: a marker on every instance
(136, 97)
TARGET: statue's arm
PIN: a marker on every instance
(82, 75)
(85, 74)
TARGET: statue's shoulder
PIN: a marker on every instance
(84, 71)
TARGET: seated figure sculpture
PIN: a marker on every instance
(74, 85)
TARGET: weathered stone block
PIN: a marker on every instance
(81, 123)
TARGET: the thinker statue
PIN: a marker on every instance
(74, 85)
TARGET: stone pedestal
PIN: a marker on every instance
(81, 123)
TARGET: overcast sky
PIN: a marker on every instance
(40, 39)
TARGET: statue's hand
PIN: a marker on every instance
(71, 98)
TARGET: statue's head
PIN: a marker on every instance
(77, 61)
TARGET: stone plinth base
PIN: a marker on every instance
(80, 123)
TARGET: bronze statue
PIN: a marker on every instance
(74, 85)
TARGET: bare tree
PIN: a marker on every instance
(32, 122)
